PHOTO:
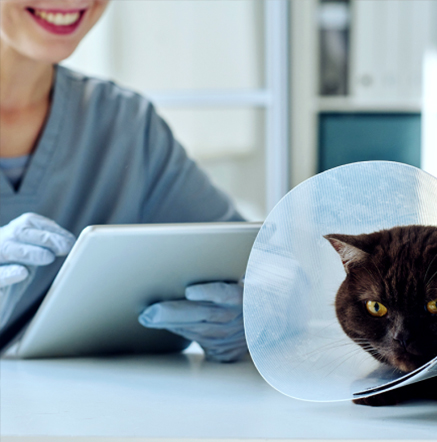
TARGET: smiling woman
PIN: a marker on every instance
(77, 151)
(33, 27)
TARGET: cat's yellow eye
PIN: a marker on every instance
(376, 308)
(432, 307)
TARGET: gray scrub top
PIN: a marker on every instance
(106, 157)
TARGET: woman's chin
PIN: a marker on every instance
(50, 54)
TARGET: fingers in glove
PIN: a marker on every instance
(172, 313)
(39, 222)
(217, 292)
(27, 254)
(59, 244)
(199, 330)
(219, 347)
(226, 354)
(62, 242)
(12, 274)
(203, 332)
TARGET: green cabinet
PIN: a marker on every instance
(350, 137)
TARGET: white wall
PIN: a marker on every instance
(155, 46)
(187, 44)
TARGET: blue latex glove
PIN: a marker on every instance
(212, 315)
(27, 242)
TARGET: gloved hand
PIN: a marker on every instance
(212, 315)
(28, 241)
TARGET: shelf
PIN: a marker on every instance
(349, 104)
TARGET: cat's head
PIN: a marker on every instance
(388, 301)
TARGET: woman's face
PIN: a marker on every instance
(47, 30)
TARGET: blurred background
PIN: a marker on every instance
(264, 94)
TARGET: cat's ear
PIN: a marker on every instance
(350, 254)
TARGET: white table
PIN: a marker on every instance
(180, 397)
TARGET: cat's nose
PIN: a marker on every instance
(402, 339)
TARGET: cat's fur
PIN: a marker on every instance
(398, 268)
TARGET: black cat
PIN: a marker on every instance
(388, 302)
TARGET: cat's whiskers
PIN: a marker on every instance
(329, 347)
(427, 270)
(357, 349)
(374, 352)
(362, 358)
(331, 324)
(344, 358)
(363, 342)
(325, 348)
(364, 350)
(323, 367)
(368, 347)
(430, 280)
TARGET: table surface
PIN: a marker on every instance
(175, 397)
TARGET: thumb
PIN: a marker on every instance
(12, 274)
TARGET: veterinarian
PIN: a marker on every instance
(77, 151)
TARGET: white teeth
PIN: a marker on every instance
(59, 19)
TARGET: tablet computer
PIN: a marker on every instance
(114, 272)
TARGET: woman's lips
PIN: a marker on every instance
(60, 22)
